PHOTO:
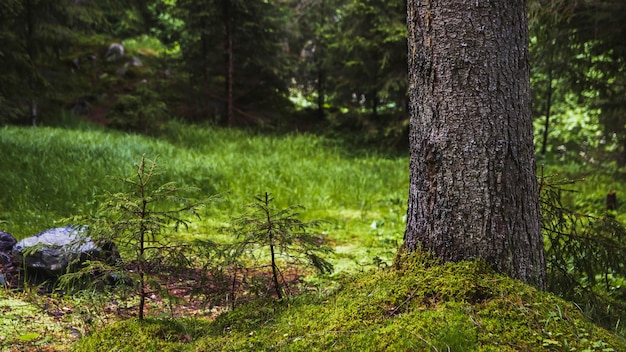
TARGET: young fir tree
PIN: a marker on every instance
(283, 236)
(140, 222)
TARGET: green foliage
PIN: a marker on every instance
(35, 36)
(339, 56)
(285, 236)
(140, 111)
(583, 255)
(359, 193)
(139, 222)
(577, 62)
(344, 47)
(15, 332)
(37, 164)
(15, 62)
(259, 81)
(168, 27)
(351, 67)
(370, 51)
(126, 18)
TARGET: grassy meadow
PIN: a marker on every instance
(50, 174)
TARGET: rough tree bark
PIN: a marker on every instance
(473, 189)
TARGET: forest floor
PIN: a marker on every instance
(35, 319)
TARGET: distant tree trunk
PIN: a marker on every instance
(228, 50)
(147, 18)
(621, 159)
(33, 110)
(319, 58)
(205, 79)
(320, 89)
(374, 97)
(473, 187)
(546, 124)
(32, 57)
(611, 201)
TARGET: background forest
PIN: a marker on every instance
(324, 65)
(306, 100)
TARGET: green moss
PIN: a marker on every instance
(417, 306)
(15, 334)
(147, 335)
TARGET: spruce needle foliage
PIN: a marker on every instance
(584, 255)
(284, 235)
(140, 222)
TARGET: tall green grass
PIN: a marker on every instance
(362, 195)
(48, 174)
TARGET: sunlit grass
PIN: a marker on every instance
(49, 174)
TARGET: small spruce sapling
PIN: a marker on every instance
(281, 233)
(139, 221)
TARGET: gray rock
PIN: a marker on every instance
(7, 241)
(75, 63)
(114, 52)
(52, 251)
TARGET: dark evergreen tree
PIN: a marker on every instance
(14, 62)
(233, 51)
(313, 26)
(370, 51)
(34, 34)
(551, 67)
(578, 60)
(352, 65)
(598, 29)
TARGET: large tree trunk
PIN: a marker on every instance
(473, 189)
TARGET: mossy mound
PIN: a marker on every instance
(418, 306)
